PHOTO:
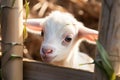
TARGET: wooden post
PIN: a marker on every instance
(109, 35)
(12, 30)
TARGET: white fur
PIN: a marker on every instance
(56, 26)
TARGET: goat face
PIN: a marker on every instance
(62, 32)
(59, 36)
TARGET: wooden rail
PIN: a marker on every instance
(34, 70)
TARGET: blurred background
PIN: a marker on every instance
(86, 11)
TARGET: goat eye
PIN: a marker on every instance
(68, 38)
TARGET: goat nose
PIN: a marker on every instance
(47, 51)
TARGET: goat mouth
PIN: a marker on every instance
(47, 59)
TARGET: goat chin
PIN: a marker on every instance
(77, 61)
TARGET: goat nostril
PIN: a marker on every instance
(47, 51)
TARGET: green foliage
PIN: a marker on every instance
(27, 8)
(105, 64)
(25, 34)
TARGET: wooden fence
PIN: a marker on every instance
(34, 70)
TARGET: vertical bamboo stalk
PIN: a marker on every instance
(109, 35)
(12, 30)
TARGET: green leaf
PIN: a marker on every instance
(106, 64)
(25, 34)
(113, 77)
(103, 54)
(99, 64)
(27, 8)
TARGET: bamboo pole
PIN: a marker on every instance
(12, 30)
(109, 36)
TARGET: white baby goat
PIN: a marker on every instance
(62, 36)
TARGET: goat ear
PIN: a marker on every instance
(88, 34)
(34, 25)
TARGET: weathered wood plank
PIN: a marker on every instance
(34, 70)
(109, 35)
